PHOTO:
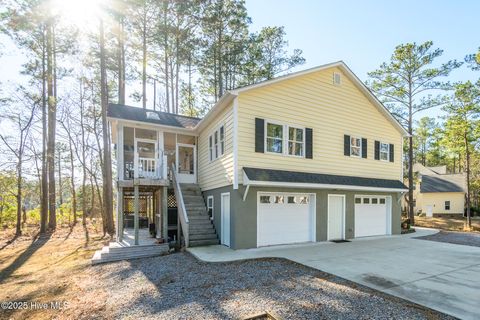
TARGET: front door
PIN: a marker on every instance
(429, 211)
(336, 216)
(225, 217)
(186, 163)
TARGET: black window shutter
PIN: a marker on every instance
(259, 135)
(391, 153)
(346, 145)
(309, 143)
(377, 150)
(364, 148)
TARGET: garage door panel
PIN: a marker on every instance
(371, 216)
(282, 223)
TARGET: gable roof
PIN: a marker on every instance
(302, 179)
(356, 81)
(442, 183)
(124, 112)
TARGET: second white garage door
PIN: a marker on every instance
(284, 218)
(372, 216)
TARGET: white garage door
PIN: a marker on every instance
(285, 218)
(372, 216)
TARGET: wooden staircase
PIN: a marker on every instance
(201, 229)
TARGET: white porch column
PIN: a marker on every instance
(136, 218)
(120, 152)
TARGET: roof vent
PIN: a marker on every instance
(152, 115)
(337, 79)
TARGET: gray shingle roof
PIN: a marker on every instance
(304, 177)
(443, 183)
(121, 111)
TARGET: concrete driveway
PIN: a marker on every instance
(441, 276)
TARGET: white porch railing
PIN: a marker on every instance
(182, 212)
(151, 168)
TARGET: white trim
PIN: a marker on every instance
(247, 182)
(312, 203)
(380, 151)
(328, 215)
(213, 206)
(285, 139)
(218, 145)
(361, 146)
(226, 241)
(235, 144)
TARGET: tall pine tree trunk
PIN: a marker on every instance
(44, 180)
(144, 60)
(107, 160)
(467, 167)
(52, 219)
(121, 61)
(72, 183)
(411, 215)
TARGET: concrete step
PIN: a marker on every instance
(204, 236)
(198, 217)
(199, 243)
(190, 187)
(194, 226)
(108, 254)
(202, 231)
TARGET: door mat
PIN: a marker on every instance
(340, 241)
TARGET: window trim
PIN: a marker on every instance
(445, 205)
(360, 153)
(215, 149)
(380, 152)
(213, 206)
(285, 138)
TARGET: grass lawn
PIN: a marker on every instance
(452, 224)
(57, 269)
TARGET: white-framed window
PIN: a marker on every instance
(355, 146)
(384, 151)
(274, 138)
(296, 141)
(284, 139)
(216, 143)
(447, 205)
(210, 206)
(210, 147)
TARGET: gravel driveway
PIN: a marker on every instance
(180, 287)
(463, 238)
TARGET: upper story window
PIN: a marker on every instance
(274, 138)
(285, 139)
(295, 141)
(384, 151)
(356, 147)
(216, 143)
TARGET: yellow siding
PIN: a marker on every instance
(313, 101)
(219, 172)
(437, 200)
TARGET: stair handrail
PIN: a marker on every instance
(181, 211)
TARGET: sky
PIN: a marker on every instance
(361, 33)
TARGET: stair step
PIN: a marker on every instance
(189, 187)
(203, 236)
(198, 217)
(198, 243)
(200, 226)
(191, 193)
(125, 253)
(200, 222)
(202, 231)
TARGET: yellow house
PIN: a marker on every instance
(309, 156)
(439, 193)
